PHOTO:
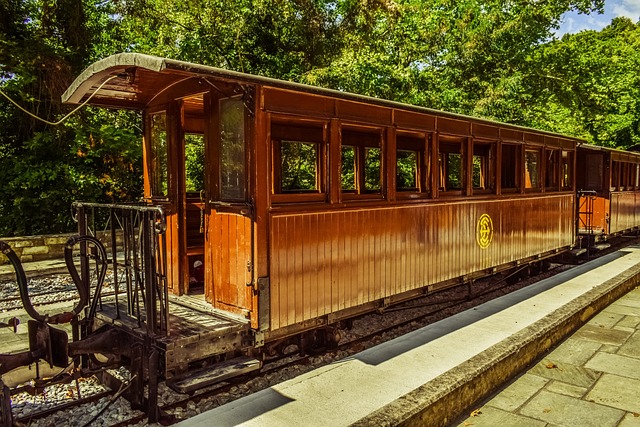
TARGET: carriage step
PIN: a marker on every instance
(601, 246)
(204, 377)
(578, 251)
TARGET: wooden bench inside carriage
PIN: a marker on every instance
(196, 332)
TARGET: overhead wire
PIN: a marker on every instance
(65, 117)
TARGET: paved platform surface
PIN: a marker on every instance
(591, 379)
(433, 375)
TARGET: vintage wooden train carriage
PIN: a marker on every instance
(608, 183)
(308, 206)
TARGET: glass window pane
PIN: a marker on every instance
(479, 172)
(510, 162)
(159, 171)
(454, 171)
(567, 169)
(406, 170)
(615, 174)
(531, 168)
(551, 175)
(299, 165)
(232, 154)
(194, 162)
(451, 164)
(348, 167)
(372, 168)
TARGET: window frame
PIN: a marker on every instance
(538, 175)
(614, 184)
(151, 174)
(448, 141)
(418, 142)
(360, 146)
(246, 149)
(570, 163)
(517, 162)
(491, 166)
(275, 162)
(554, 163)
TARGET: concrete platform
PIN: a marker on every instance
(433, 375)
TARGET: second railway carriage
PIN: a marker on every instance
(608, 181)
(309, 206)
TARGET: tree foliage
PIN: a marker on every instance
(587, 84)
(496, 59)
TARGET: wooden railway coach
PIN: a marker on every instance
(308, 206)
(609, 196)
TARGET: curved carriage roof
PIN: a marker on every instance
(138, 79)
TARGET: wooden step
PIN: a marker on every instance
(192, 381)
(601, 246)
(578, 251)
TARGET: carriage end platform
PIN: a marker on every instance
(436, 374)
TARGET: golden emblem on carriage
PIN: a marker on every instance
(484, 231)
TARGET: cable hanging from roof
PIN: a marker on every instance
(65, 117)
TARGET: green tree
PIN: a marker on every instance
(587, 84)
(43, 168)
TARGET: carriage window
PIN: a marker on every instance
(410, 159)
(372, 168)
(348, 168)
(159, 168)
(624, 173)
(510, 161)
(482, 173)
(299, 162)
(361, 166)
(593, 173)
(407, 170)
(194, 162)
(232, 154)
(628, 182)
(531, 169)
(551, 171)
(296, 157)
(450, 159)
(567, 170)
(615, 175)
(637, 176)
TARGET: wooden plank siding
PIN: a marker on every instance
(230, 237)
(323, 262)
(624, 211)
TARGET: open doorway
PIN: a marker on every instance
(194, 190)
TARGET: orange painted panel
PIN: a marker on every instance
(326, 261)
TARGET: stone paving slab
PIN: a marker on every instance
(616, 364)
(575, 351)
(630, 420)
(566, 389)
(570, 412)
(602, 335)
(618, 392)
(632, 347)
(519, 392)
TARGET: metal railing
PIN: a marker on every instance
(585, 209)
(137, 259)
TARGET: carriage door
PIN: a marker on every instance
(229, 225)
